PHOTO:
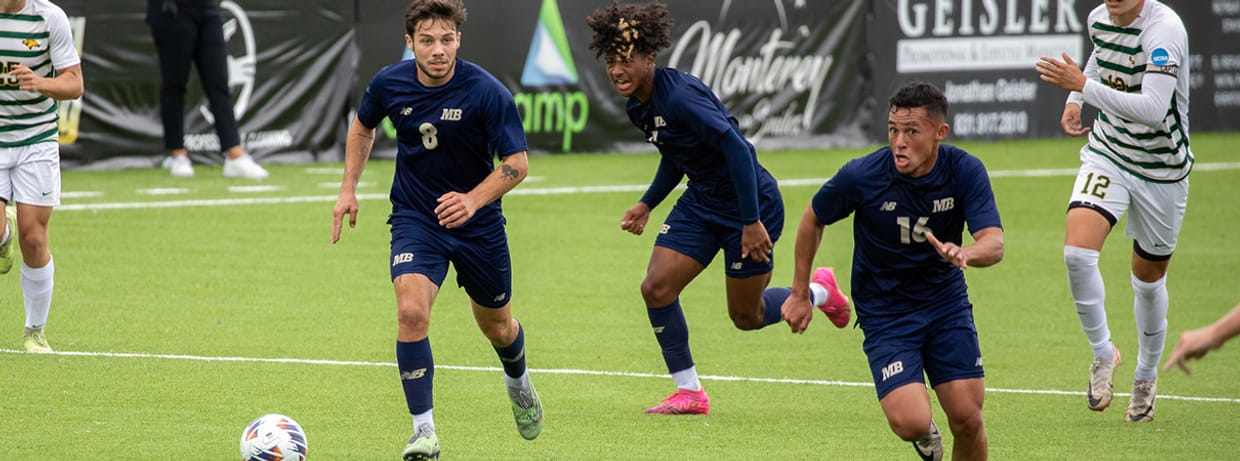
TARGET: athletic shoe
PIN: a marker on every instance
(527, 410)
(930, 447)
(8, 249)
(1141, 407)
(683, 402)
(837, 304)
(423, 445)
(243, 167)
(180, 166)
(35, 341)
(1101, 373)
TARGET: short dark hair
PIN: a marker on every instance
(623, 28)
(920, 94)
(422, 10)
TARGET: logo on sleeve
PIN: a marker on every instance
(1160, 62)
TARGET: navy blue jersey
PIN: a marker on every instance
(895, 270)
(447, 136)
(687, 123)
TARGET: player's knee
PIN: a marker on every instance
(657, 293)
(748, 320)
(32, 242)
(412, 320)
(966, 426)
(907, 428)
(1079, 258)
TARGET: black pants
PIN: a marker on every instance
(193, 31)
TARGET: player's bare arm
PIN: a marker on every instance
(358, 143)
(1065, 74)
(455, 208)
(986, 250)
(797, 310)
(67, 84)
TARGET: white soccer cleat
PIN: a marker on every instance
(1101, 374)
(1141, 407)
(181, 167)
(930, 447)
(243, 167)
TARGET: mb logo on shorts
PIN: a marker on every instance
(402, 258)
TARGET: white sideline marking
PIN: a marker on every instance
(163, 191)
(544, 191)
(570, 371)
(255, 189)
(81, 194)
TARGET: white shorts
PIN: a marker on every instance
(31, 174)
(1157, 209)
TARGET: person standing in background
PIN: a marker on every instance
(188, 31)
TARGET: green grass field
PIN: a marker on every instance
(178, 318)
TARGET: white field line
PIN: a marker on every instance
(570, 371)
(803, 182)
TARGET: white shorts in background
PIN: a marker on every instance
(31, 174)
(1156, 210)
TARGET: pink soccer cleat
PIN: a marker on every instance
(683, 402)
(837, 304)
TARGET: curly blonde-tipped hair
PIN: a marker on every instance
(624, 28)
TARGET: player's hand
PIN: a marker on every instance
(1193, 344)
(954, 254)
(1071, 121)
(1065, 74)
(455, 209)
(756, 243)
(634, 219)
(345, 205)
(26, 78)
(798, 312)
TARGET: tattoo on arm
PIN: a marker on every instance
(509, 172)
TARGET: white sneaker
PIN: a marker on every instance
(243, 167)
(181, 167)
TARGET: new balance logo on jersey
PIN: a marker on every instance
(451, 114)
(664, 229)
(893, 369)
(501, 297)
(402, 258)
(412, 374)
(978, 363)
(736, 266)
(658, 330)
(944, 204)
(406, 111)
(888, 206)
(659, 122)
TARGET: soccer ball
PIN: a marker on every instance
(273, 438)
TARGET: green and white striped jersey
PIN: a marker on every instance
(1150, 144)
(39, 37)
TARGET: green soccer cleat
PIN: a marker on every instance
(35, 341)
(527, 410)
(423, 445)
(6, 249)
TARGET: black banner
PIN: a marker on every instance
(789, 71)
(291, 66)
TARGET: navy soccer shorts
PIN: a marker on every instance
(483, 264)
(942, 343)
(699, 233)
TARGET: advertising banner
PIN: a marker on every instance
(291, 66)
(982, 54)
(790, 71)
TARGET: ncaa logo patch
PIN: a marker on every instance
(1159, 57)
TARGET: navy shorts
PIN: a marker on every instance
(942, 343)
(483, 265)
(699, 233)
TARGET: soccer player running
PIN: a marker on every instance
(41, 66)
(452, 119)
(911, 201)
(1137, 159)
(732, 202)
